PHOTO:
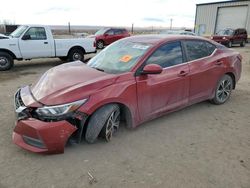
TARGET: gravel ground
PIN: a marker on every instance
(200, 146)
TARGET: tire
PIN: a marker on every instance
(223, 90)
(229, 45)
(243, 43)
(6, 61)
(100, 44)
(76, 54)
(104, 123)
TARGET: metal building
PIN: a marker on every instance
(212, 17)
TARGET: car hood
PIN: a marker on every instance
(69, 82)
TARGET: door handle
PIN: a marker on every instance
(183, 73)
(45, 42)
(219, 62)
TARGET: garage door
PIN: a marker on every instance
(231, 17)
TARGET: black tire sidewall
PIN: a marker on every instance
(10, 61)
(97, 122)
(72, 52)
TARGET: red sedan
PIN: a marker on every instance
(133, 80)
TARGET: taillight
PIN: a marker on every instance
(94, 44)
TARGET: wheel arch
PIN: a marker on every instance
(76, 47)
(9, 52)
(126, 114)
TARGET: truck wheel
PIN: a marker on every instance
(6, 61)
(243, 43)
(104, 123)
(100, 44)
(76, 54)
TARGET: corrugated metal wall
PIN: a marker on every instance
(206, 16)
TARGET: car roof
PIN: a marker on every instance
(161, 38)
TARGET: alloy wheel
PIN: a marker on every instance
(224, 90)
(112, 124)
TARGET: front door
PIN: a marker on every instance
(34, 44)
(166, 91)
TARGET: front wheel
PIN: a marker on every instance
(104, 123)
(229, 45)
(6, 61)
(223, 90)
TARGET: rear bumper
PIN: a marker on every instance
(42, 137)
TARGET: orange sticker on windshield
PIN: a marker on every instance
(126, 58)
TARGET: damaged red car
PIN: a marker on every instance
(133, 80)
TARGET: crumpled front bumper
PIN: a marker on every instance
(42, 137)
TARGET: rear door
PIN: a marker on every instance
(166, 91)
(34, 43)
(110, 36)
(237, 37)
(206, 67)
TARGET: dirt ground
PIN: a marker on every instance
(203, 145)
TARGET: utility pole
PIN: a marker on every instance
(69, 28)
(171, 22)
(132, 29)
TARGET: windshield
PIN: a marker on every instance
(19, 31)
(101, 31)
(225, 32)
(119, 57)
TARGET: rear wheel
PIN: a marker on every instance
(100, 44)
(223, 90)
(243, 43)
(76, 54)
(6, 61)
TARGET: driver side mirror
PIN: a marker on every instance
(26, 37)
(152, 69)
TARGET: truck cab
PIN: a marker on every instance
(36, 41)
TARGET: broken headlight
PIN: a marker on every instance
(59, 111)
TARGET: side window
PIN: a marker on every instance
(36, 33)
(197, 49)
(210, 48)
(167, 55)
(110, 32)
(118, 31)
(236, 32)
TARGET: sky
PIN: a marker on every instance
(142, 13)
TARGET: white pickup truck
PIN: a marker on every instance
(36, 41)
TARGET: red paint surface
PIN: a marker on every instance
(146, 96)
